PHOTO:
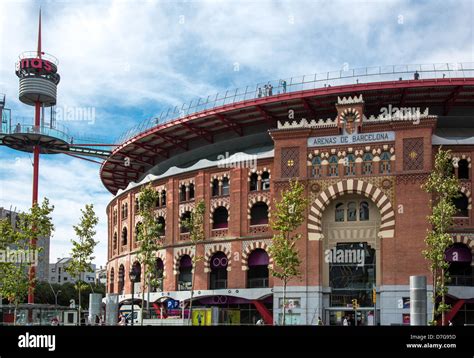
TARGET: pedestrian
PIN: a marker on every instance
(270, 90)
(320, 322)
(283, 84)
(345, 322)
(450, 323)
(260, 322)
(416, 75)
(259, 92)
(265, 90)
(122, 320)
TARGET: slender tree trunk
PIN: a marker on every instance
(284, 304)
(79, 308)
(192, 293)
(443, 298)
(143, 295)
(433, 299)
(14, 313)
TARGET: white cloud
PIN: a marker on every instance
(69, 184)
(130, 60)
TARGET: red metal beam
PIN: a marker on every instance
(451, 99)
(151, 149)
(237, 128)
(200, 132)
(308, 107)
(267, 116)
(172, 140)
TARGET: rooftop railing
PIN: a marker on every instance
(57, 130)
(301, 83)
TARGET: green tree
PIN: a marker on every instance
(147, 239)
(288, 216)
(195, 225)
(14, 278)
(444, 188)
(83, 249)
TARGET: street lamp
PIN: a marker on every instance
(133, 277)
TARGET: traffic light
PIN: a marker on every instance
(355, 305)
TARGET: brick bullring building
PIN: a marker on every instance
(362, 150)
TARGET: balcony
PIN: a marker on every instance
(218, 284)
(258, 229)
(461, 280)
(257, 282)
(219, 232)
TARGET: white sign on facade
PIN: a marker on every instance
(351, 139)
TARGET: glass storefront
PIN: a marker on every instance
(352, 274)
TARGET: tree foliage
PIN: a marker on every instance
(444, 188)
(83, 249)
(148, 233)
(35, 223)
(288, 216)
(195, 225)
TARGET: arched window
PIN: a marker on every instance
(257, 273)
(220, 218)
(191, 191)
(158, 275)
(162, 223)
(185, 273)
(121, 279)
(184, 217)
(218, 274)
(367, 163)
(215, 187)
(259, 214)
(163, 198)
(350, 164)
(364, 211)
(339, 212)
(137, 231)
(316, 170)
(225, 186)
(114, 241)
(111, 281)
(461, 203)
(463, 169)
(265, 181)
(137, 268)
(114, 217)
(385, 163)
(124, 236)
(182, 193)
(253, 182)
(460, 270)
(333, 166)
(351, 211)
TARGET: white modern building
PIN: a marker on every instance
(58, 274)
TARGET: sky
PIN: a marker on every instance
(122, 62)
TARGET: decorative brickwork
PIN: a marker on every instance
(290, 162)
(387, 225)
(412, 154)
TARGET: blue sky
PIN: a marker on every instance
(130, 60)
